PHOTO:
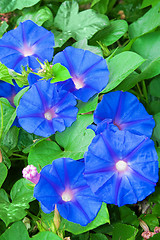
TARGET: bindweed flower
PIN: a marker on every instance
(121, 167)
(31, 174)
(89, 72)
(9, 91)
(63, 184)
(23, 45)
(124, 110)
(43, 109)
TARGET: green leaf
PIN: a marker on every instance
(128, 216)
(60, 73)
(120, 67)
(156, 210)
(156, 236)
(19, 95)
(147, 3)
(102, 218)
(5, 157)
(4, 74)
(82, 44)
(148, 47)
(129, 82)
(3, 28)
(21, 192)
(11, 5)
(100, 6)
(77, 25)
(154, 87)
(155, 107)
(3, 171)
(89, 106)
(39, 17)
(11, 138)
(44, 153)
(156, 130)
(145, 24)
(124, 231)
(46, 236)
(111, 33)
(98, 236)
(76, 139)
(7, 116)
(155, 196)
(17, 231)
(21, 195)
(151, 220)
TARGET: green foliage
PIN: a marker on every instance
(82, 44)
(145, 24)
(3, 28)
(3, 171)
(147, 3)
(39, 17)
(89, 106)
(111, 33)
(60, 73)
(43, 153)
(11, 5)
(120, 67)
(18, 230)
(124, 231)
(21, 195)
(4, 74)
(156, 130)
(74, 141)
(7, 116)
(76, 25)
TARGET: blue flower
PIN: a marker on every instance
(9, 91)
(124, 110)
(23, 45)
(89, 72)
(33, 78)
(43, 109)
(63, 184)
(121, 167)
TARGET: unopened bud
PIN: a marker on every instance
(31, 174)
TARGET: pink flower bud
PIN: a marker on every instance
(157, 229)
(31, 174)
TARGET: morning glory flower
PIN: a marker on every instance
(9, 91)
(121, 167)
(63, 184)
(23, 45)
(43, 109)
(89, 72)
(124, 110)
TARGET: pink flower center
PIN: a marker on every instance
(121, 166)
(78, 82)
(50, 114)
(67, 196)
(27, 51)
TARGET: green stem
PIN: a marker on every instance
(139, 89)
(145, 90)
